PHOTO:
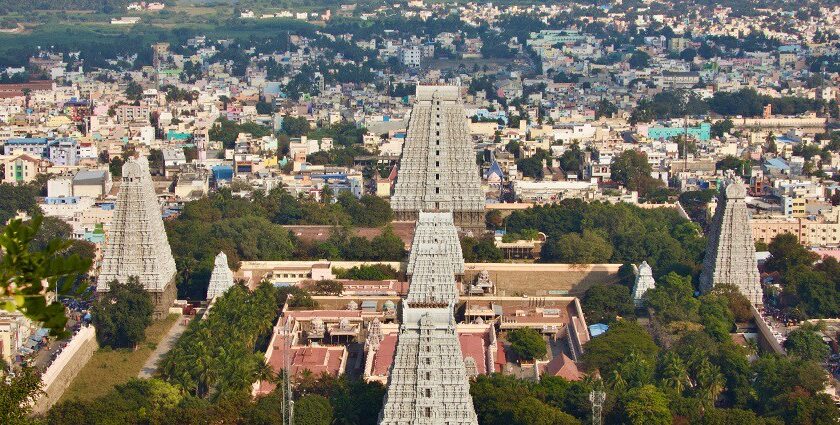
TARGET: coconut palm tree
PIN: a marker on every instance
(710, 382)
(673, 373)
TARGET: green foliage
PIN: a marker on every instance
(639, 60)
(777, 378)
(14, 198)
(721, 127)
(218, 356)
(590, 247)
(527, 343)
(367, 272)
(480, 250)
(632, 169)
(323, 287)
(18, 394)
(295, 126)
(786, 253)
(673, 299)
(808, 290)
(807, 343)
(605, 352)
(533, 165)
(660, 236)
(647, 406)
(122, 314)
(667, 105)
(313, 409)
(27, 275)
(603, 303)
(226, 131)
(748, 103)
(134, 91)
(55, 228)
(740, 166)
(505, 400)
(369, 211)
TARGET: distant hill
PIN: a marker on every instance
(106, 6)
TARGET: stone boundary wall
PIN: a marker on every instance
(765, 335)
(58, 376)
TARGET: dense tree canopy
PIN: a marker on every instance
(527, 343)
(122, 314)
(659, 236)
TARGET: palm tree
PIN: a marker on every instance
(710, 382)
(674, 374)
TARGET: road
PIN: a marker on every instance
(150, 368)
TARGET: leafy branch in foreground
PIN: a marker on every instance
(27, 276)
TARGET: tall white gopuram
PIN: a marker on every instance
(428, 381)
(437, 170)
(644, 282)
(730, 253)
(137, 243)
(221, 279)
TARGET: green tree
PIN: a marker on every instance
(606, 351)
(133, 91)
(14, 198)
(532, 411)
(313, 409)
(18, 394)
(122, 314)
(807, 343)
(295, 126)
(673, 373)
(688, 55)
(632, 169)
(721, 127)
(639, 60)
(26, 275)
(787, 253)
(673, 299)
(603, 303)
(586, 248)
(647, 406)
(527, 343)
(367, 272)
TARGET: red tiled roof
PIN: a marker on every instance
(384, 355)
(563, 367)
(473, 345)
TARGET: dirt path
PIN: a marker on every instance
(150, 368)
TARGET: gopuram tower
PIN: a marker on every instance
(437, 170)
(730, 253)
(137, 243)
(428, 382)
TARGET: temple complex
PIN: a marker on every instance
(428, 381)
(221, 279)
(437, 170)
(730, 253)
(644, 282)
(137, 243)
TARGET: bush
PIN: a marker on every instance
(527, 343)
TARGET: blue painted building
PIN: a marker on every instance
(38, 146)
(702, 132)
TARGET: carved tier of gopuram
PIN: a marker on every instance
(437, 170)
(428, 382)
(137, 244)
(730, 253)
(221, 279)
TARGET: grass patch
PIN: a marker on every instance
(108, 368)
